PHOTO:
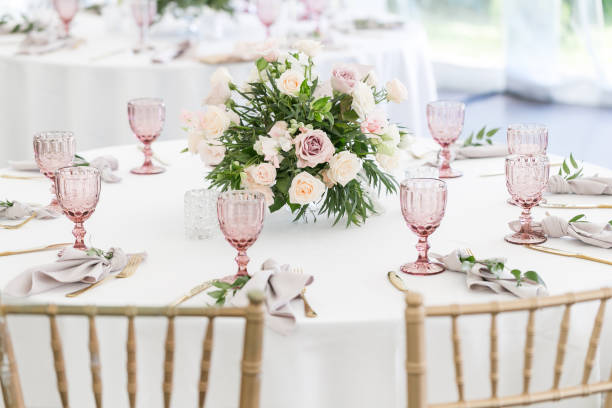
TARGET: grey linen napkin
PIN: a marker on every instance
(592, 233)
(280, 286)
(583, 185)
(106, 165)
(71, 266)
(480, 276)
(479, 152)
(21, 210)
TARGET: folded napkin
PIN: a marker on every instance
(243, 51)
(582, 185)
(592, 233)
(171, 53)
(478, 152)
(280, 286)
(106, 165)
(480, 276)
(71, 266)
(21, 210)
(42, 42)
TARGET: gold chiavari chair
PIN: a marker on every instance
(251, 352)
(415, 350)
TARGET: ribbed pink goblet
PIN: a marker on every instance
(53, 150)
(78, 192)
(527, 139)
(315, 8)
(268, 11)
(526, 179)
(66, 9)
(423, 202)
(143, 12)
(241, 215)
(147, 116)
(445, 122)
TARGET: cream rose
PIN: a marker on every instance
(268, 50)
(290, 81)
(363, 100)
(263, 174)
(396, 91)
(308, 47)
(388, 162)
(305, 189)
(265, 190)
(211, 152)
(327, 180)
(343, 167)
(280, 133)
(270, 149)
(194, 137)
(322, 90)
(214, 122)
(219, 91)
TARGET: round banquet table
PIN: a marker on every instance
(78, 90)
(352, 354)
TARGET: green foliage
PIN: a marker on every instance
(223, 288)
(24, 26)
(578, 218)
(6, 203)
(223, 5)
(568, 173)
(481, 138)
(496, 266)
(99, 252)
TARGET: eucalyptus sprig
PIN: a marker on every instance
(6, 203)
(99, 252)
(224, 288)
(482, 137)
(80, 161)
(496, 266)
(581, 218)
(568, 173)
(24, 26)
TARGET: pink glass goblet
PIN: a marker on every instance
(445, 121)
(315, 8)
(526, 179)
(53, 150)
(66, 9)
(78, 192)
(268, 11)
(241, 215)
(423, 202)
(147, 116)
(143, 12)
(527, 139)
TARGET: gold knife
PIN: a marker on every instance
(192, 292)
(396, 281)
(38, 249)
(574, 206)
(562, 252)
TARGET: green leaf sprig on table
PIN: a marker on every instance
(496, 266)
(581, 218)
(219, 5)
(568, 173)
(99, 252)
(80, 161)
(24, 26)
(6, 203)
(482, 137)
(223, 288)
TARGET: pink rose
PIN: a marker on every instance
(211, 152)
(313, 147)
(374, 124)
(344, 77)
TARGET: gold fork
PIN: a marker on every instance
(21, 224)
(196, 290)
(128, 271)
(569, 254)
(308, 311)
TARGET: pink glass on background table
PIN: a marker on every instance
(315, 8)
(526, 179)
(527, 139)
(241, 216)
(445, 122)
(147, 117)
(78, 192)
(66, 9)
(423, 202)
(268, 11)
(53, 150)
(144, 12)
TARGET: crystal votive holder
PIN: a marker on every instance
(201, 220)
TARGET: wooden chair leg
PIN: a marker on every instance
(205, 363)
(9, 375)
(58, 357)
(94, 361)
(252, 350)
(415, 351)
(168, 362)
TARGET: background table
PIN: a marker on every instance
(353, 353)
(68, 90)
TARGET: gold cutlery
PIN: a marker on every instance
(504, 173)
(573, 206)
(38, 249)
(396, 281)
(21, 224)
(308, 311)
(11, 177)
(562, 252)
(128, 271)
(192, 292)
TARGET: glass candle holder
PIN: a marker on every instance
(201, 221)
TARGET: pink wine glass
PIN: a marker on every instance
(241, 215)
(53, 150)
(147, 116)
(526, 179)
(423, 202)
(445, 121)
(316, 8)
(78, 192)
(143, 12)
(66, 9)
(268, 11)
(527, 139)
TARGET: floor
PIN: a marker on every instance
(586, 132)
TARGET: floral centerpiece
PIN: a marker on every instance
(298, 139)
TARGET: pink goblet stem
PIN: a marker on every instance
(242, 260)
(79, 234)
(445, 122)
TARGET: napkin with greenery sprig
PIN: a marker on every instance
(15, 210)
(479, 145)
(493, 274)
(570, 180)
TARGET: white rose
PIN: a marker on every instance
(308, 47)
(221, 75)
(219, 91)
(263, 174)
(268, 50)
(214, 122)
(305, 189)
(343, 167)
(233, 117)
(371, 79)
(322, 90)
(194, 137)
(396, 91)
(388, 162)
(270, 149)
(211, 152)
(363, 100)
(290, 81)
(392, 135)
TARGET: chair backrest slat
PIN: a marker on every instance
(594, 341)
(168, 362)
(415, 351)
(494, 355)
(562, 345)
(456, 338)
(131, 360)
(528, 361)
(9, 375)
(58, 358)
(95, 361)
(251, 354)
(207, 345)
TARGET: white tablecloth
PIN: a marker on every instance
(67, 90)
(352, 354)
